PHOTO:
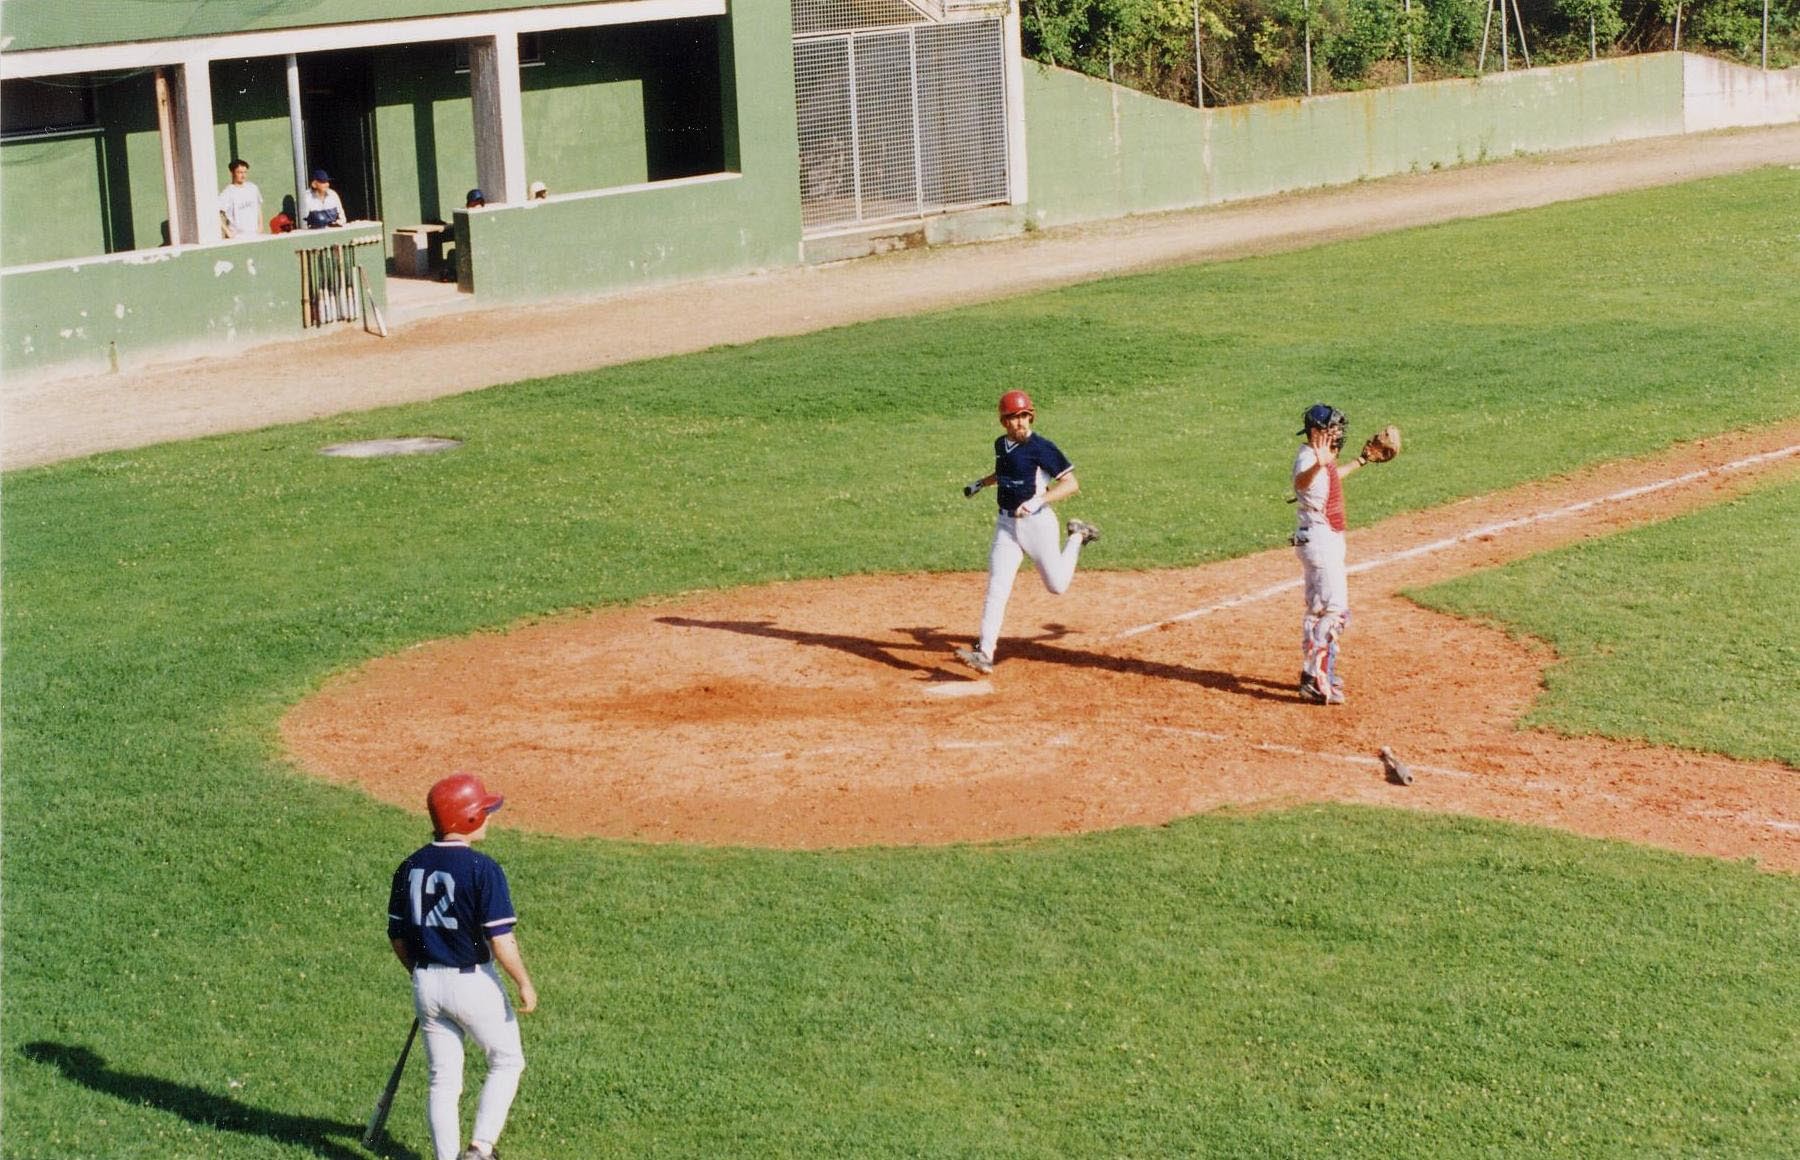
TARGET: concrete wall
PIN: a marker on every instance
(124, 310)
(1721, 95)
(1096, 150)
(666, 231)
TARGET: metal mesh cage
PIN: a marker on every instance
(815, 16)
(962, 113)
(827, 131)
(887, 147)
(901, 122)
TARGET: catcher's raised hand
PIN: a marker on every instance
(1382, 446)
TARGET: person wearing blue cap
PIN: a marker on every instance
(475, 200)
(320, 205)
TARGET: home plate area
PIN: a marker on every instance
(832, 713)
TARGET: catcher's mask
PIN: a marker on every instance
(1324, 417)
(459, 804)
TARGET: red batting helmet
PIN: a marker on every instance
(1016, 402)
(459, 804)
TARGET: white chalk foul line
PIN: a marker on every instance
(1533, 786)
(1475, 534)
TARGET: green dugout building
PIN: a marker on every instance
(618, 143)
(669, 139)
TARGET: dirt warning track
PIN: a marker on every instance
(830, 713)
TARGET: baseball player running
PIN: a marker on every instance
(450, 917)
(1031, 473)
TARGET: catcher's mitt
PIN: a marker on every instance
(1382, 446)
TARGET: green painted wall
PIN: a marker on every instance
(623, 105)
(1095, 150)
(607, 107)
(250, 120)
(34, 24)
(92, 192)
(160, 303)
(51, 199)
(667, 233)
(424, 128)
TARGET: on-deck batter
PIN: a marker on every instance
(450, 916)
(1031, 473)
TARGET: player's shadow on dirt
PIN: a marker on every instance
(936, 642)
(1043, 650)
(209, 1110)
(868, 650)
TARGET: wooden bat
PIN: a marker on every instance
(306, 318)
(378, 1118)
(371, 308)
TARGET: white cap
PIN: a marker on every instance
(538, 187)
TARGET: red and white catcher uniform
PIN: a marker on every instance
(1319, 542)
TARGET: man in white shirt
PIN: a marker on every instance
(320, 205)
(240, 203)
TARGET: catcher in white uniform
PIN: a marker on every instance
(1319, 542)
(1031, 473)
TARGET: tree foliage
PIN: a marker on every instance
(1257, 49)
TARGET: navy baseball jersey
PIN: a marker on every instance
(1022, 469)
(447, 901)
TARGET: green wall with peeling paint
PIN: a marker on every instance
(162, 303)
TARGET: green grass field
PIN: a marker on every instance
(1679, 634)
(194, 955)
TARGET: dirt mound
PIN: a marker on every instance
(830, 713)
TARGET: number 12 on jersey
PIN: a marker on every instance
(437, 884)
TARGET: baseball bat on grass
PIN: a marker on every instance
(378, 1118)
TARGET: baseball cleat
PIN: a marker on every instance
(1311, 693)
(1088, 532)
(975, 659)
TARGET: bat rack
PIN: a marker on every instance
(334, 288)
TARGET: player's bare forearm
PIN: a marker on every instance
(506, 952)
(402, 952)
(1062, 489)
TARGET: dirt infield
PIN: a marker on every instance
(42, 421)
(829, 713)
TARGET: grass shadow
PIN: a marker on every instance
(206, 1109)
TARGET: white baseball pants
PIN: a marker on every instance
(451, 1005)
(1038, 536)
(1327, 603)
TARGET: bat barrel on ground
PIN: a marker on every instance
(1396, 769)
(378, 1118)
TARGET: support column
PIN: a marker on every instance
(499, 118)
(1016, 162)
(202, 153)
(296, 130)
(178, 172)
